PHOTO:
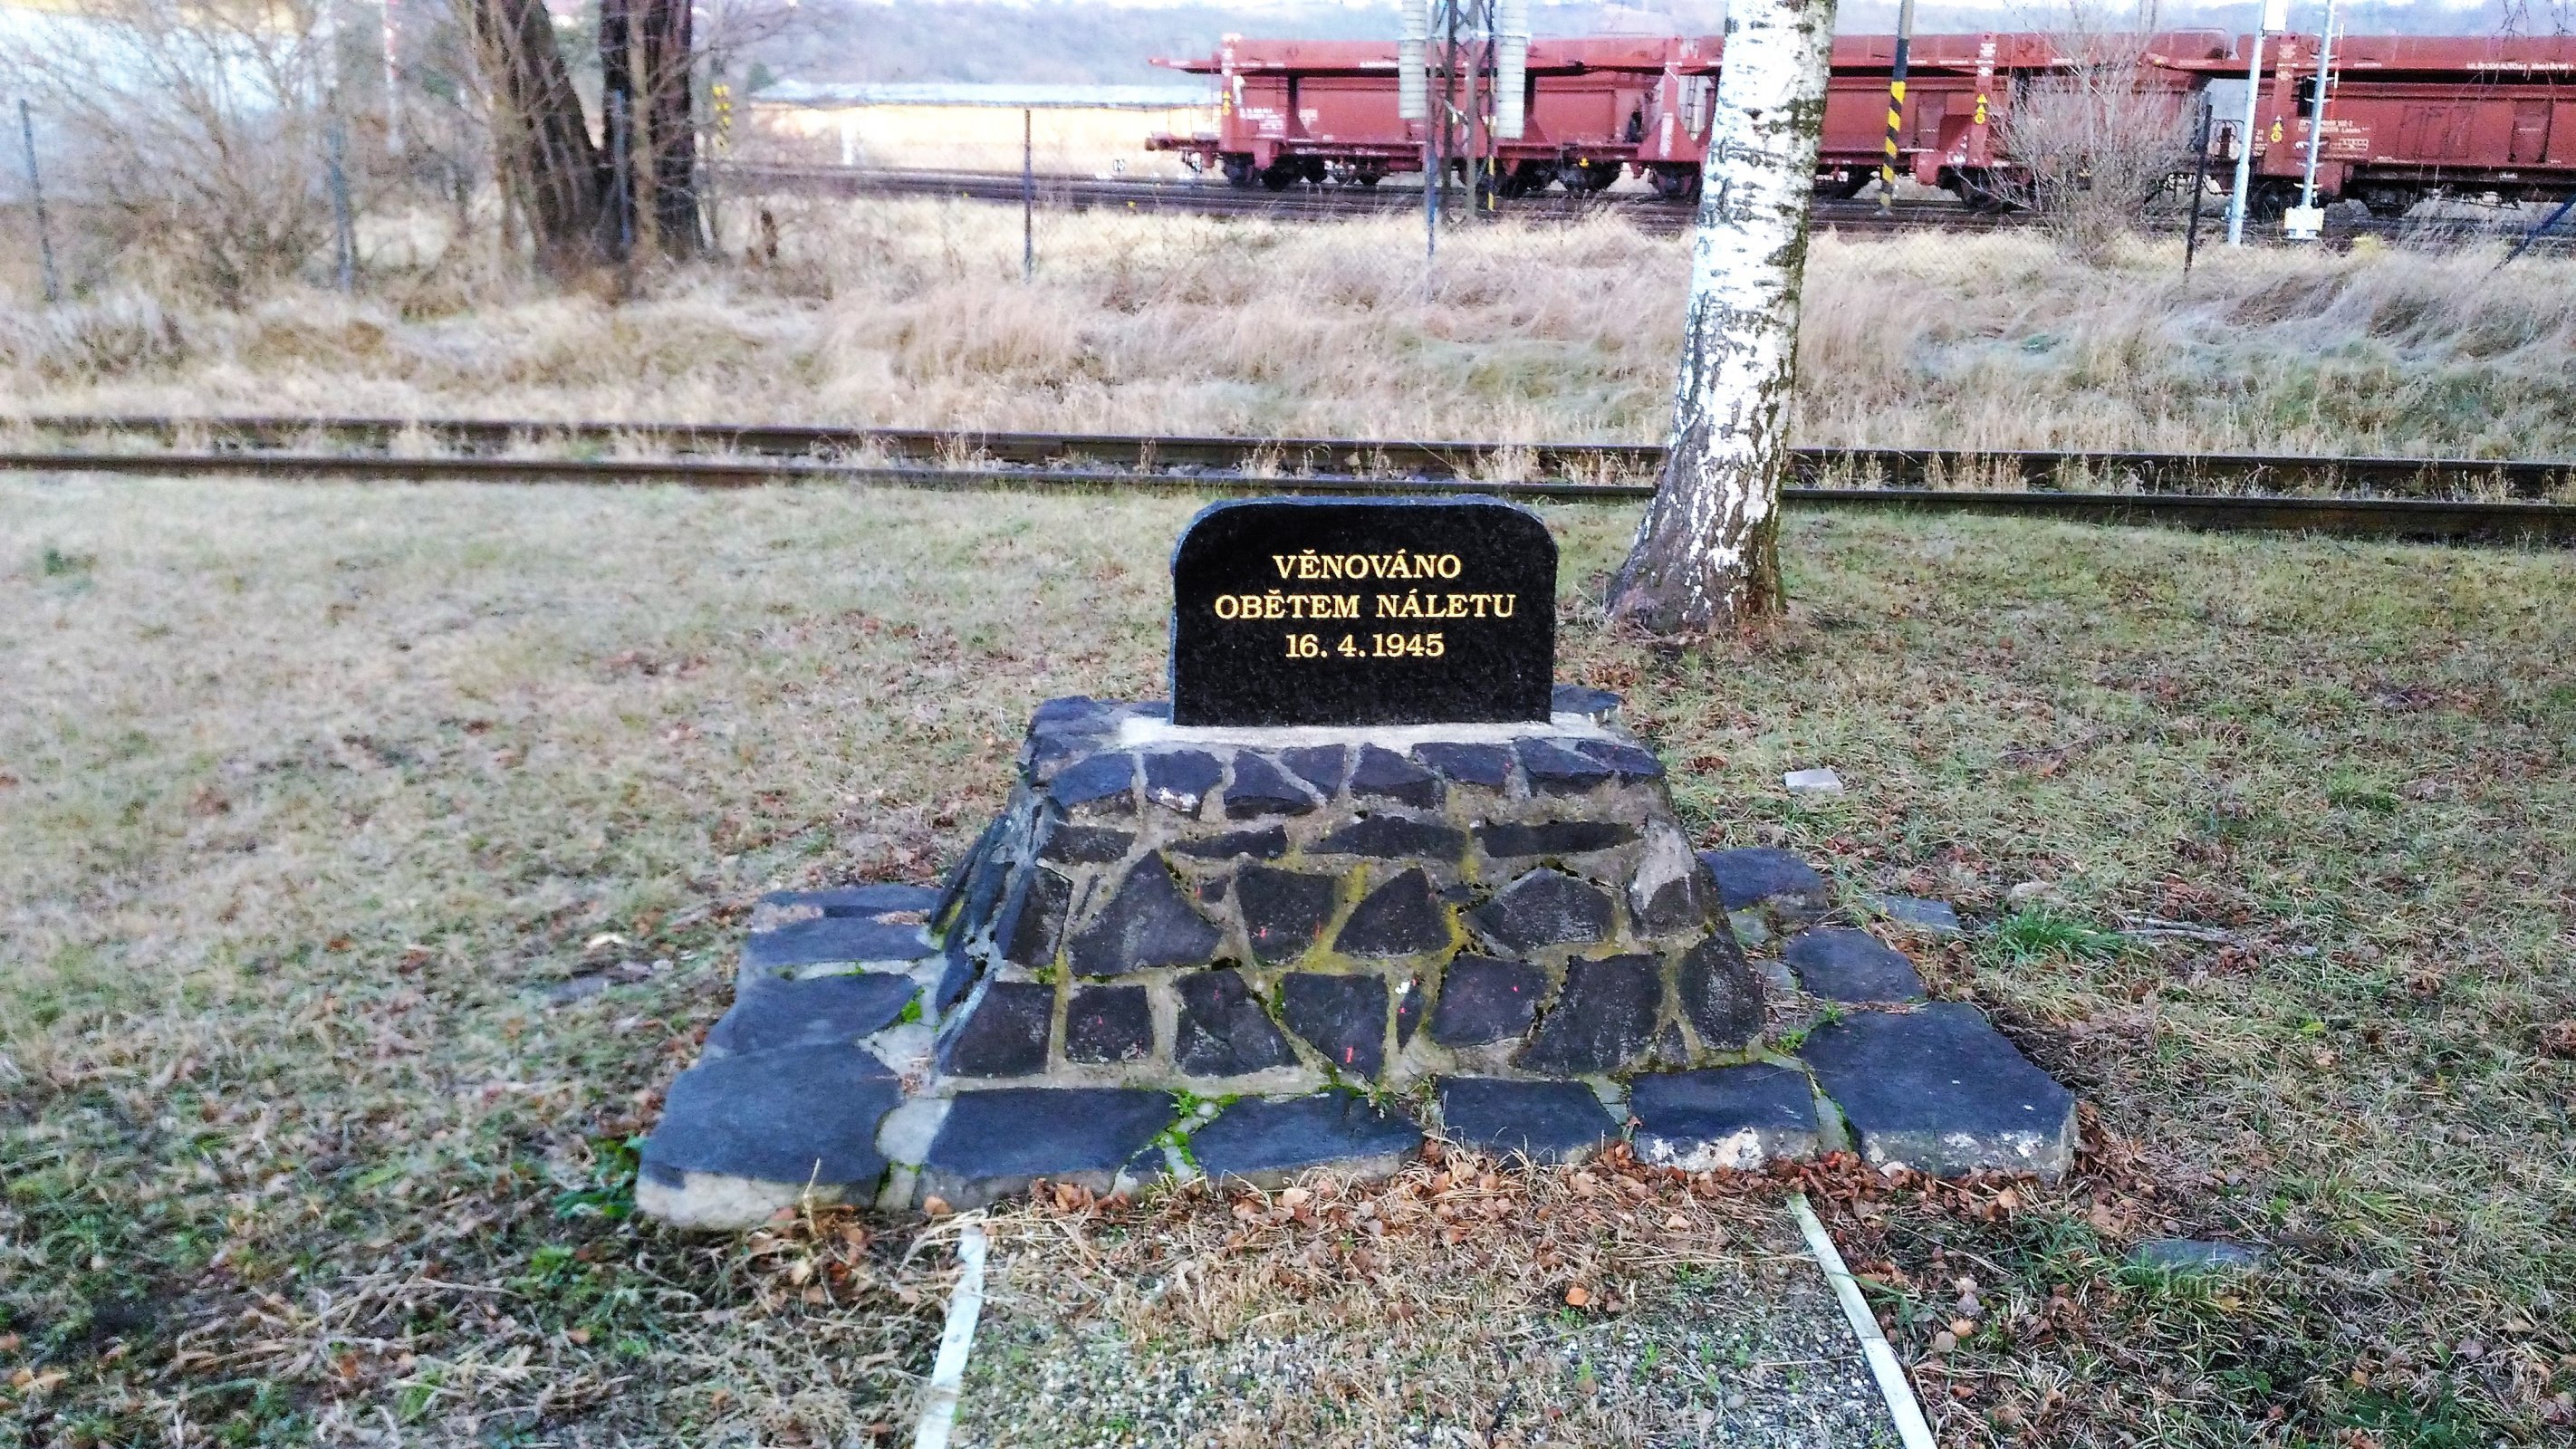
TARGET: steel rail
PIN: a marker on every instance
(1365, 457)
(2438, 519)
(1650, 213)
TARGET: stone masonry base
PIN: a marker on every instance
(1241, 958)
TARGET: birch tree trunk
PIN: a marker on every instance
(1707, 554)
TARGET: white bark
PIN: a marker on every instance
(1704, 555)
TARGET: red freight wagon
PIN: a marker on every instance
(1958, 90)
(1311, 110)
(2411, 116)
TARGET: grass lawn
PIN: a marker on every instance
(311, 798)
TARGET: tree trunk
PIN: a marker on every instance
(671, 123)
(1707, 555)
(644, 57)
(541, 139)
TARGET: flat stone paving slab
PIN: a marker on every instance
(1723, 1117)
(861, 900)
(1265, 1142)
(811, 1012)
(994, 1144)
(1542, 1121)
(832, 940)
(1756, 874)
(1938, 1089)
(1841, 964)
(795, 1115)
(1937, 918)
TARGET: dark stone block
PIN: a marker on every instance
(1265, 844)
(1265, 1142)
(1553, 769)
(806, 1013)
(1669, 894)
(980, 893)
(1321, 766)
(1385, 775)
(1597, 705)
(1148, 923)
(1626, 761)
(1003, 1032)
(1601, 1021)
(1399, 918)
(1756, 874)
(1108, 1024)
(1344, 1017)
(1178, 780)
(1720, 994)
(1554, 837)
(1104, 784)
(1484, 1000)
(1724, 1117)
(952, 891)
(1395, 837)
(955, 976)
(794, 1115)
(1047, 751)
(1283, 911)
(1544, 908)
(1408, 1010)
(862, 900)
(1479, 571)
(995, 1144)
(1542, 1121)
(1033, 917)
(829, 940)
(1083, 844)
(1488, 767)
(1845, 965)
(1938, 1090)
(1223, 1031)
(1262, 788)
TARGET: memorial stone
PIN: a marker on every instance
(1363, 612)
(1371, 870)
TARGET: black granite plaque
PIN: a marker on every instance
(1375, 612)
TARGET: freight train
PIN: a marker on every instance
(2407, 117)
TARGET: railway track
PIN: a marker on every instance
(1209, 197)
(2018, 483)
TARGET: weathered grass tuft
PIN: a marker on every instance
(912, 313)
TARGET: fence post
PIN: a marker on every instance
(2199, 184)
(344, 227)
(36, 194)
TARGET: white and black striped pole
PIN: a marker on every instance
(1895, 106)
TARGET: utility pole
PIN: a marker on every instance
(1895, 106)
(2199, 181)
(44, 226)
(1413, 103)
(1028, 195)
(2276, 16)
(393, 84)
(335, 149)
(2317, 110)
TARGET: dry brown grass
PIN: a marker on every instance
(910, 313)
(310, 794)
